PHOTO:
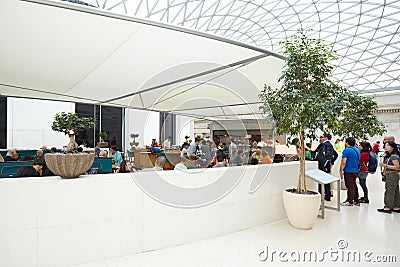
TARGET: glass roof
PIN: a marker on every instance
(366, 34)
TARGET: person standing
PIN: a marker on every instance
(365, 149)
(375, 148)
(349, 169)
(326, 156)
(338, 146)
(390, 167)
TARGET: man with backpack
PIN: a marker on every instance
(326, 156)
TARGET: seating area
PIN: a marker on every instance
(9, 169)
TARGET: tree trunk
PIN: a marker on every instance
(301, 185)
(72, 146)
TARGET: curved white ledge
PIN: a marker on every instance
(62, 222)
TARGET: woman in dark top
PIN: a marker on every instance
(123, 167)
(390, 167)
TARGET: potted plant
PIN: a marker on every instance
(187, 137)
(309, 101)
(102, 136)
(72, 164)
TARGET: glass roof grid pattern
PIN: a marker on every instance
(366, 34)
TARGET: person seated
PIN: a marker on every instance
(103, 154)
(221, 160)
(97, 151)
(1, 158)
(257, 154)
(184, 148)
(44, 147)
(154, 143)
(125, 167)
(32, 171)
(236, 159)
(11, 155)
(116, 155)
(39, 154)
(53, 150)
(254, 161)
(265, 158)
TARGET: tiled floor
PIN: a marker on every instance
(337, 240)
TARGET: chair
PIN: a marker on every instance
(130, 156)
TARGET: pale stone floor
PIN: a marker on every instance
(362, 230)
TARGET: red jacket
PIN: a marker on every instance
(364, 158)
(375, 148)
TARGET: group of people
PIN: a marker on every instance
(356, 164)
(38, 168)
(202, 153)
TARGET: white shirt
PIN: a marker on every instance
(167, 144)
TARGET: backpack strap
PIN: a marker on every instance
(356, 153)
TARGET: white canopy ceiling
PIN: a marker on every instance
(75, 53)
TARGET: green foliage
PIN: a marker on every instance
(309, 100)
(70, 123)
(102, 135)
(134, 135)
(357, 118)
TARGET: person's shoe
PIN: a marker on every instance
(346, 203)
(366, 201)
(327, 199)
(398, 211)
(356, 203)
(385, 211)
(361, 198)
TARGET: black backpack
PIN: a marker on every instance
(324, 156)
(372, 163)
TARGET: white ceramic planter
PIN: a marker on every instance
(302, 210)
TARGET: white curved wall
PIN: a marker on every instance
(62, 222)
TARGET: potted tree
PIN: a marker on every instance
(134, 143)
(187, 137)
(102, 142)
(309, 101)
(71, 164)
